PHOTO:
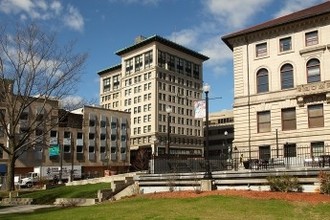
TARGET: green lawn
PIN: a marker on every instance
(211, 207)
(49, 196)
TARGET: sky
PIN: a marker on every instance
(102, 27)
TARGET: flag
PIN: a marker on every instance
(200, 107)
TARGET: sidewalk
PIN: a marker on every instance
(23, 208)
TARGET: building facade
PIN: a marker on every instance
(221, 134)
(93, 137)
(282, 84)
(157, 81)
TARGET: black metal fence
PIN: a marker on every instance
(288, 157)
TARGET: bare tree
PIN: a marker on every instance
(35, 73)
(141, 161)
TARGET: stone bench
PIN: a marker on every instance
(16, 201)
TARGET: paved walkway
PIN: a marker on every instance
(22, 208)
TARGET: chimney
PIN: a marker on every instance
(139, 39)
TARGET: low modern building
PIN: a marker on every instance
(282, 85)
(93, 137)
(221, 134)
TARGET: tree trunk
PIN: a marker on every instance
(10, 183)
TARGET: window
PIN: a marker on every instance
(91, 149)
(113, 137)
(67, 134)
(288, 119)
(179, 65)
(263, 120)
(285, 44)
(138, 63)
(106, 85)
(262, 81)
(103, 123)
(129, 65)
(313, 71)
(261, 50)
(171, 63)
(102, 136)
(79, 135)
(315, 116)
(53, 133)
(113, 125)
(123, 126)
(161, 59)
(264, 152)
(188, 68)
(290, 150)
(102, 149)
(92, 122)
(115, 85)
(148, 59)
(196, 71)
(317, 148)
(123, 138)
(287, 76)
(66, 148)
(79, 148)
(1, 151)
(311, 38)
(113, 150)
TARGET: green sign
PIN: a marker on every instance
(54, 150)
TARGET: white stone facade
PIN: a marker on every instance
(300, 98)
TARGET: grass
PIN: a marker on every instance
(210, 207)
(49, 196)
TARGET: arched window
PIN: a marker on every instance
(313, 71)
(262, 81)
(287, 76)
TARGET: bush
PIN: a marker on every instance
(325, 182)
(284, 184)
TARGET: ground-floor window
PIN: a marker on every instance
(317, 148)
(264, 152)
(290, 150)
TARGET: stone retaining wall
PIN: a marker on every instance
(16, 201)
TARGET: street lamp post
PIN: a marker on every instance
(168, 111)
(226, 145)
(208, 174)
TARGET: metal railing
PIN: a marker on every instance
(287, 158)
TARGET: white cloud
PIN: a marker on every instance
(72, 102)
(296, 5)
(56, 7)
(15, 6)
(43, 10)
(185, 37)
(143, 2)
(205, 37)
(235, 13)
(73, 18)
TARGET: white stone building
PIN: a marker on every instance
(282, 84)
